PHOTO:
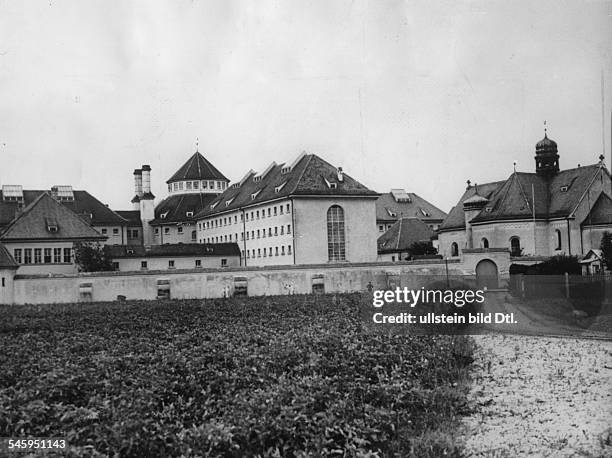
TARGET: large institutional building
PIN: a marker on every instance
(545, 213)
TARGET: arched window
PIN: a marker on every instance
(335, 234)
(515, 246)
(194, 235)
(484, 243)
(558, 239)
(454, 249)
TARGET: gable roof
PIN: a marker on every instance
(132, 217)
(44, 212)
(174, 249)
(556, 197)
(456, 217)
(601, 212)
(404, 233)
(309, 176)
(197, 167)
(416, 207)
(6, 260)
(84, 205)
(176, 206)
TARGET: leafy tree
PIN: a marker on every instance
(606, 249)
(91, 257)
(557, 265)
(421, 249)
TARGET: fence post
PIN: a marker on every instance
(567, 286)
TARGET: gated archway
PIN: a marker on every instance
(486, 274)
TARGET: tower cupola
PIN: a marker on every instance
(547, 156)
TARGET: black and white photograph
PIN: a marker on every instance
(306, 228)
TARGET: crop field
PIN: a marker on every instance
(277, 376)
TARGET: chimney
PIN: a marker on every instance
(146, 179)
(340, 175)
(138, 182)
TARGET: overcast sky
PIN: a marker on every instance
(420, 95)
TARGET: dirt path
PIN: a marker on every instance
(540, 396)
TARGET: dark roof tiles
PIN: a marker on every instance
(404, 233)
(197, 167)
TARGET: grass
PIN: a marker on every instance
(279, 376)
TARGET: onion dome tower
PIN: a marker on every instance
(547, 157)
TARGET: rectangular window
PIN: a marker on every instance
(235, 218)
(281, 209)
(265, 252)
(27, 256)
(269, 212)
(258, 233)
(288, 208)
(253, 234)
(196, 184)
(288, 249)
(252, 216)
(288, 228)
(282, 230)
(247, 235)
(37, 255)
(115, 265)
(259, 252)
(275, 251)
(283, 250)
(269, 232)
(104, 231)
(180, 229)
(17, 255)
(211, 184)
(171, 264)
(169, 188)
(67, 255)
(143, 265)
(135, 233)
(166, 230)
(274, 211)
(204, 184)
(275, 230)
(188, 185)
(156, 230)
(115, 231)
(57, 255)
(180, 185)
(257, 214)
(270, 251)
(47, 256)
(3, 282)
(198, 263)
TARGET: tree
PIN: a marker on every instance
(557, 265)
(91, 257)
(606, 249)
(421, 249)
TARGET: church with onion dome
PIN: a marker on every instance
(542, 213)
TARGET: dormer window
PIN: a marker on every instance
(257, 179)
(228, 202)
(564, 188)
(330, 185)
(392, 213)
(285, 170)
(214, 205)
(424, 212)
(189, 214)
(163, 215)
(279, 187)
(255, 194)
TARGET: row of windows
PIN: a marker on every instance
(263, 252)
(42, 255)
(252, 215)
(191, 185)
(171, 264)
(515, 245)
(131, 233)
(259, 233)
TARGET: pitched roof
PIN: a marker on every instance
(175, 249)
(404, 233)
(176, 207)
(197, 167)
(308, 176)
(6, 260)
(84, 205)
(456, 217)
(555, 197)
(38, 219)
(601, 212)
(415, 207)
(132, 217)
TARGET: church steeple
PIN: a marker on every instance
(547, 157)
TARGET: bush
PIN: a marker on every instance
(283, 376)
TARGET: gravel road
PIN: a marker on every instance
(540, 396)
